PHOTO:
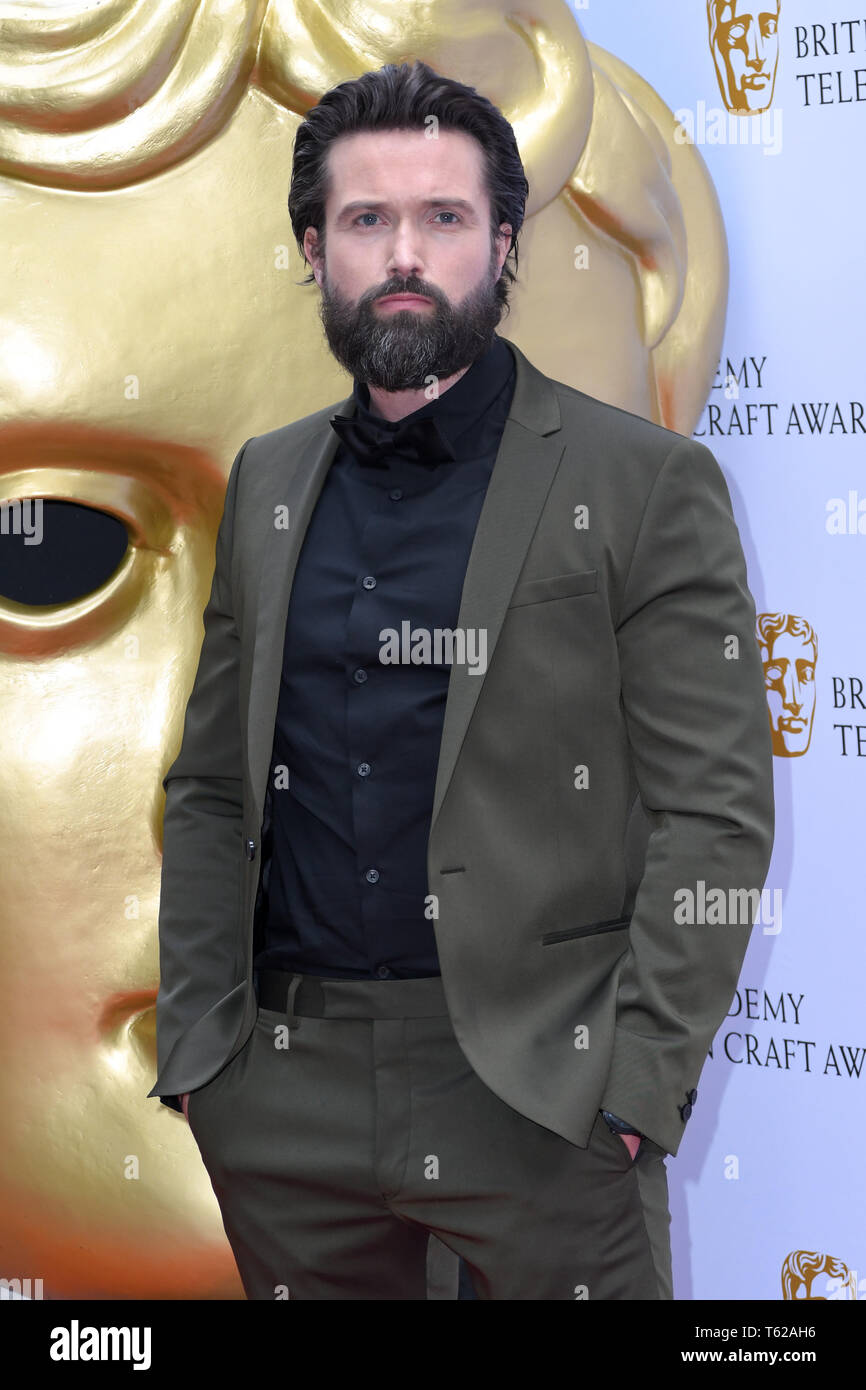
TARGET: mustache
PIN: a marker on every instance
(410, 286)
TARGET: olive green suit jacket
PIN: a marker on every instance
(615, 751)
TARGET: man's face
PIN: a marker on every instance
(407, 215)
(747, 43)
(790, 679)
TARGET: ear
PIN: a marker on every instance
(503, 238)
(311, 251)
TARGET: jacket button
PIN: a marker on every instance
(692, 1097)
(251, 849)
(686, 1110)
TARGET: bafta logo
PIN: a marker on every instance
(801, 1268)
(789, 651)
(744, 41)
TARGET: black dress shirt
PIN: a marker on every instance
(344, 890)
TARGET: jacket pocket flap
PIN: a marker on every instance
(558, 586)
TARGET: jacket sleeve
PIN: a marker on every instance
(692, 690)
(199, 943)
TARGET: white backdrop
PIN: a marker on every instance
(770, 1173)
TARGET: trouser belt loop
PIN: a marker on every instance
(291, 1017)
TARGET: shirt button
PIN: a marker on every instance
(368, 581)
(364, 769)
(383, 972)
(372, 875)
(359, 676)
(395, 494)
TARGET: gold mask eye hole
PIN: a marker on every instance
(54, 552)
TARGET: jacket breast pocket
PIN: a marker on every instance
(591, 929)
(558, 586)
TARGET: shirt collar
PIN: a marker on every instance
(459, 408)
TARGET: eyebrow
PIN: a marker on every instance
(372, 205)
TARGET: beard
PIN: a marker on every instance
(400, 349)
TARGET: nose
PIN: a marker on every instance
(404, 256)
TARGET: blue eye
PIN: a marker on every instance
(445, 213)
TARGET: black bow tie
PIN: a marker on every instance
(419, 441)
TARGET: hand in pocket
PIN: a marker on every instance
(632, 1143)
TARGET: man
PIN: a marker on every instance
(479, 691)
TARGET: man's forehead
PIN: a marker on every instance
(371, 153)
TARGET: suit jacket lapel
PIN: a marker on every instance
(298, 489)
(529, 454)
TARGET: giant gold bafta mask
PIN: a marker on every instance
(155, 320)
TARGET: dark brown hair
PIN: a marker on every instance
(402, 97)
